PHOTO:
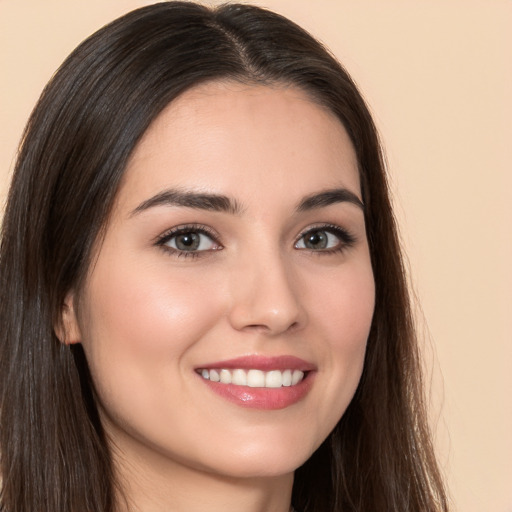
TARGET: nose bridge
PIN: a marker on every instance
(265, 293)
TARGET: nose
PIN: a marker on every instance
(266, 297)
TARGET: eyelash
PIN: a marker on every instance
(181, 230)
(346, 239)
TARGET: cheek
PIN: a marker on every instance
(351, 315)
(142, 319)
(345, 316)
(346, 307)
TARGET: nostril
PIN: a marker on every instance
(272, 327)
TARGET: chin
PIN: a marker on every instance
(264, 460)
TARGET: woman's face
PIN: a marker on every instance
(236, 251)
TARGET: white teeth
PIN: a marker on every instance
(297, 377)
(254, 378)
(239, 377)
(274, 379)
(225, 376)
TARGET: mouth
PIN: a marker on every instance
(253, 377)
(260, 382)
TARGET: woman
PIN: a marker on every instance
(203, 301)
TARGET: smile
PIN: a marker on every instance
(253, 378)
(259, 382)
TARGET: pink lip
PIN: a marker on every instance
(263, 398)
(263, 363)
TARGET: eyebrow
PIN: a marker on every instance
(329, 197)
(221, 203)
(189, 199)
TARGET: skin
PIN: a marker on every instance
(149, 315)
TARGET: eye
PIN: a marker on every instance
(325, 238)
(188, 239)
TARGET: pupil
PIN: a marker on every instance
(317, 240)
(187, 241)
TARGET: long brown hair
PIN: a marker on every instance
(54, 454)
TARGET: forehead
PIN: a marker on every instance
(236, 139)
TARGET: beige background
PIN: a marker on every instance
(438, 76)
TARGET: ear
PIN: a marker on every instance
(67, 330)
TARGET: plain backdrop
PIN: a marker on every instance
(438, 77)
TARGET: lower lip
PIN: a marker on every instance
(262, 398)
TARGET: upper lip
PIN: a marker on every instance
(264, 363)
